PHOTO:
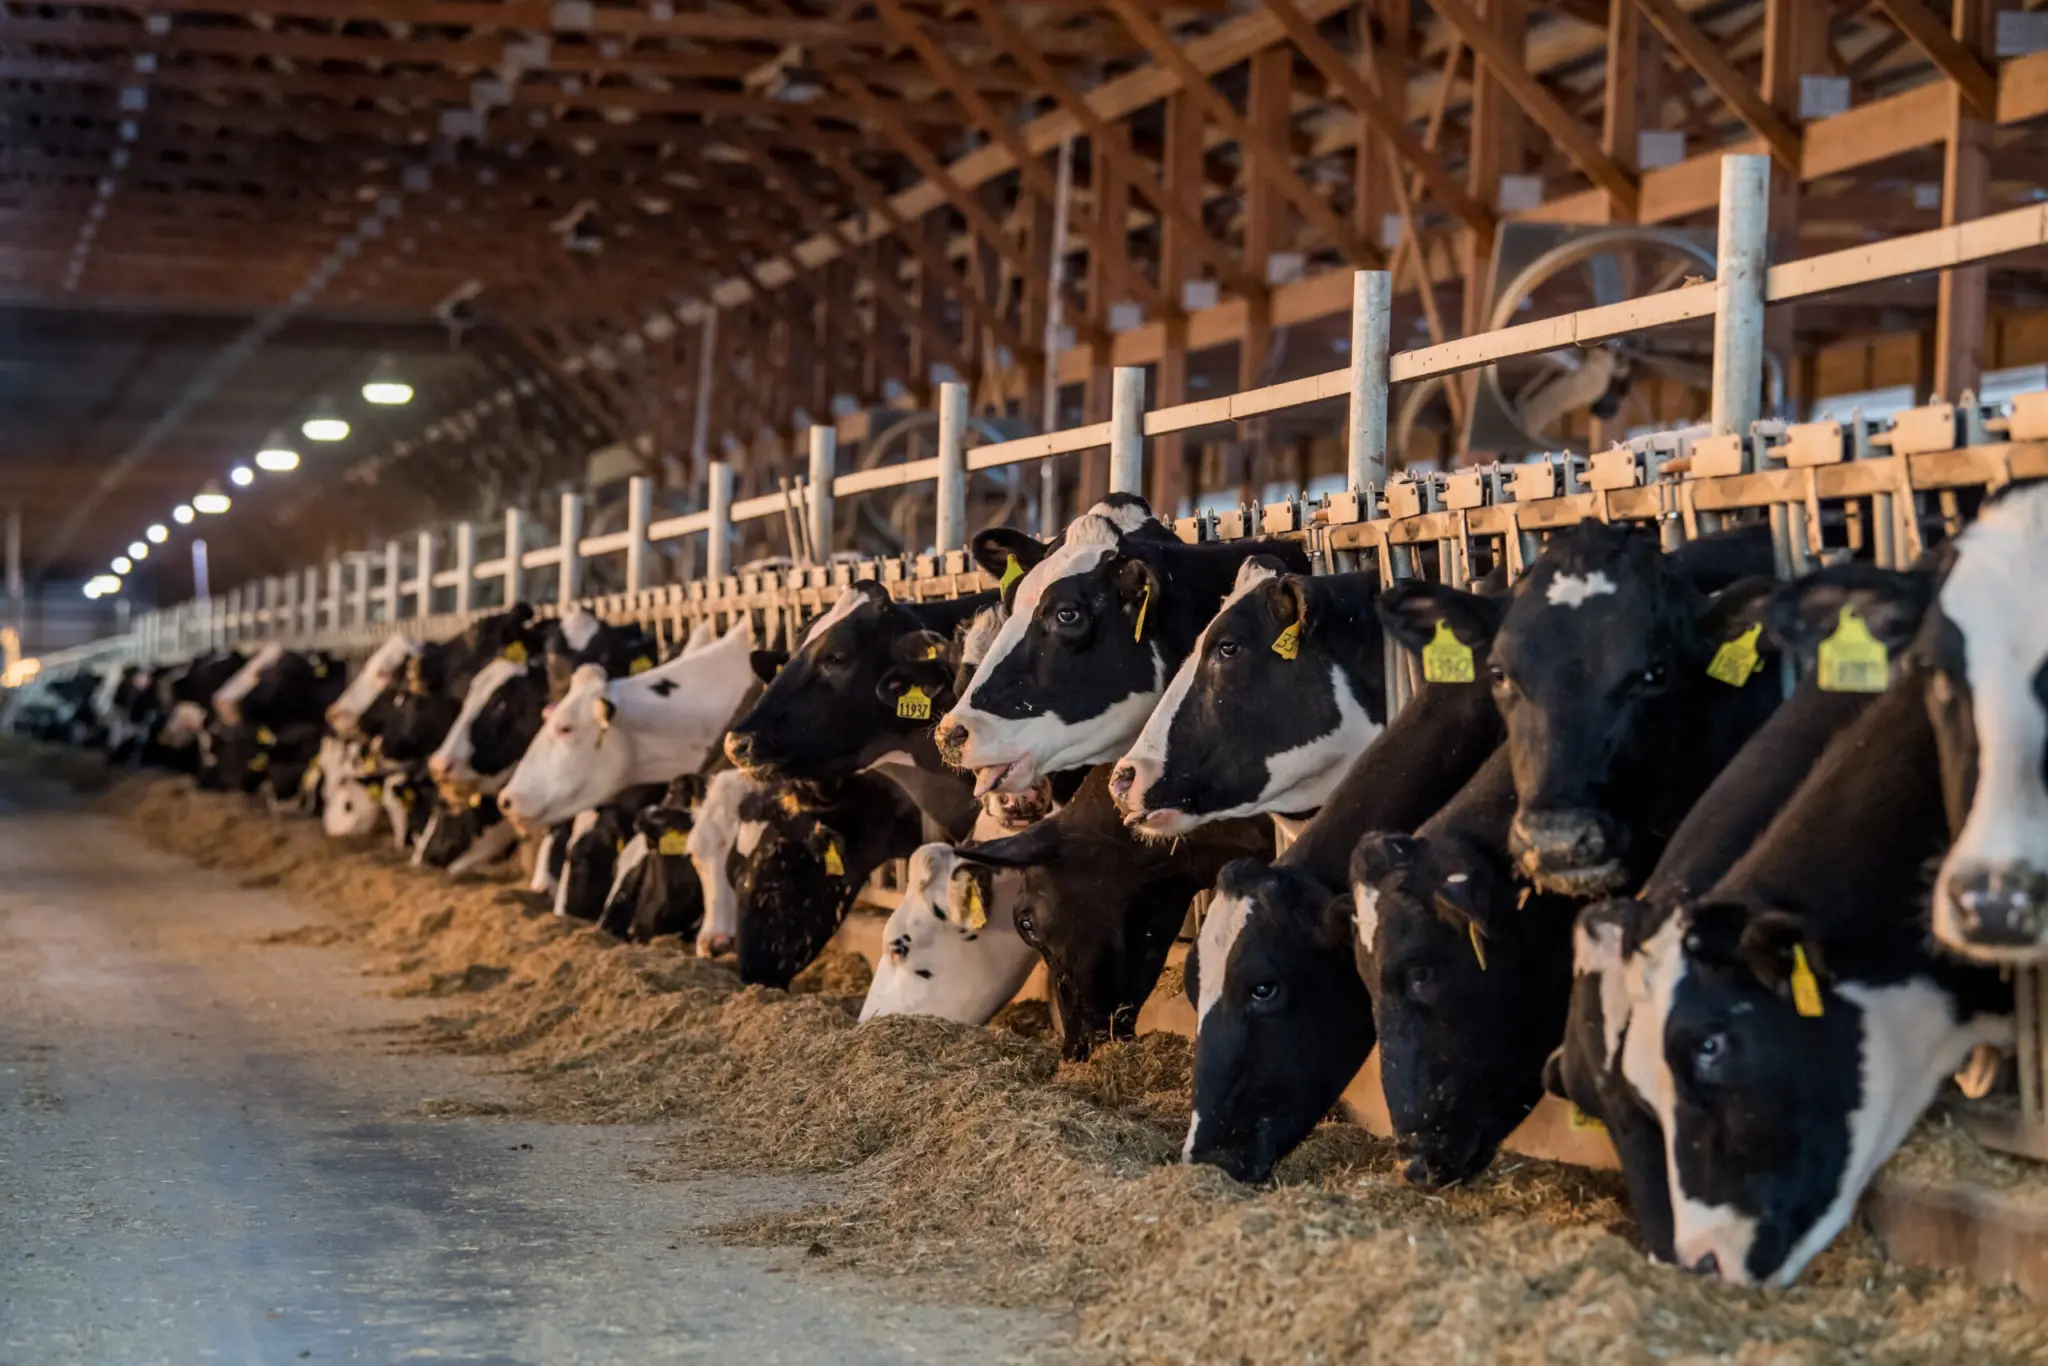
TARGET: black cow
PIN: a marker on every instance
(1284, 689)
(658, 891)
(579, 637)
(594, 852)
(1094, 631)
(1283, 1021)
(1102, 907)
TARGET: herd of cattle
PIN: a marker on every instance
(1738, 867)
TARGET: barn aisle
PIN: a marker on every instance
(210, 1151)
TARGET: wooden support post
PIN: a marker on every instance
(465, 567)
(569, 572)
(359, 590)
(1795, 43)
(515, 548)
(1960, 315)
(1742, 257)
(309, 600)
(1127, 430)
(1496, 150)
(700, 417)
(639, 512)
(424, 576)
(718, 541)
(1178, 264)
(335, 602)
(951, 531)
(824, 468)
(1265, 222)
(1372, 307)
(394, 579)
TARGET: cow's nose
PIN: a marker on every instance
(1572, 851)
(438, 769)
(1709, 1265)
(2000, 906)
(952, 742)
(739, 747)
(1120, 782)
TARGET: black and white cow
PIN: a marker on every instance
(1094, 630)
(1283, 1021)
(656, 890)
(714, 838)
(1284, 689)
(593, 853)
(1620, 697)
(950, 948)
(1102, 907)
(382, 672)
(1988, 691)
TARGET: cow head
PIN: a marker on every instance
(1283, 689)
(1282, 1022)
(1469, 995)
(453, 764)
(950, 949)
(1986, 650)
(380, 677)
(580, 638)
(656, 891)
(1078, 663)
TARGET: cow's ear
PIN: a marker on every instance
(1337, 927)
(1139, 587)
(1803, 614)
(1777, 946)
(1291, 601)
(604, 712)
(995, 549)
(1032, 847)
(920, 647)
(1730, 613)
(1380, 855)
(1191, 975)
(767, 663)
(1412, 609)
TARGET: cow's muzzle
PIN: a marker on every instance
(2003, 907)
(1571, 852)
(951, 742)
(739, 747)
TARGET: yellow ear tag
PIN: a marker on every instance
(264, 736)
(516, 652)
(791, 804)
(931, 652)
(640, 665)
(834, 865)
(310, 779)
(1805, 990)
(1287, 644)
(673, 842)
(476, 799)
(618, 847)
(1737, 659)
(1581, 1122)
(1853, 660)
(1143, 603)
(1478, 944)
(1012, 572)
(405, 796)
(977, 914)
(259, 763)
(914, 705)
(319, 671)
(1447, 659)
(376, 791)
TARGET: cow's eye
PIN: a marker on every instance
(1067, 615)
(1709, 1054)
(1265, 992)
(1421, 985)
(1226, 649)
(1498, 675)
(1656, 676)
(1027, 928)
(837, 661)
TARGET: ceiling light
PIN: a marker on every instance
(242, 476)
(122, 564)
(211, 501)
(325, 429)
(137, 550)
(158, 532)
(389, 392)
(182, 513)
(277, 459)
(100, 585)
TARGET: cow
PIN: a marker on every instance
(1726, 821)
(1102, 907)
(713, 839)
(1604, 664)
(1283, 690)
(1094, 630)
(593, 852)
(951, 949)
(580, 637)
(809, 854)
(608, 735)
(382, 671)
(656, 890)
(1988, 691)
(1283, 1020)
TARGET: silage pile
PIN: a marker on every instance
(976, 1163)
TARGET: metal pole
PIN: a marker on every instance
(334, 603)
(361, 587)
(718, 541)
(201, 586)
(394, 570)
(700, 420)
(1739, 294)
(824, 468)
(231, 621)
(1127, 430)
(569, 578)
(465, 566)
(425, 568)
(309, 599)
(515, 552)
(1372, 308)
(1055, 277)
(952, 513)
(639, 512)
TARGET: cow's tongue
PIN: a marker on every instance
(987, 780)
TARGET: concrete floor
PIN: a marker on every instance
(208, 1152)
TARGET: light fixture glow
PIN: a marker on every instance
(325, 429)
(99, 585)
(137, 550)
(277, 459)
(242, 476)
(182, 513)
(122, 564)
(388, 392)
(212, 502)
(158, 532)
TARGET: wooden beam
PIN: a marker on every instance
(1978, 85)
(1703, 53)
(1961, 311)
(1273, 159)
(1505, 65)
(1368, 105)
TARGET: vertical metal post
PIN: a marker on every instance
(273, 594)
(360, 588)
(424, 576)
(569, 578)
(639, 512)
(952, 511)
(231, 623)
(1055, 273)
(1739, 293)
(700, 420)
(1127, 430)
(309, 599)
(465, 566)
(394, 572)
(334, 591)
(718, 540)
(1372, 309)
(824, 469)
(515, 551)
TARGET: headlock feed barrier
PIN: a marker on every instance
(1829, 489)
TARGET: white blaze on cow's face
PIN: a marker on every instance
(579, 624)
(227, 699)
(630, 858)
(1009, 753)
(584, 823)
(1990, 709)
(185, 724)
(1221, 927)
(379, 670)
(450, 764)
(351, 809)
(714, 831)
(605, 736)
(1597, 953)
(950, 949)
(1576, 590)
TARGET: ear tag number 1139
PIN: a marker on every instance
(1447, 659)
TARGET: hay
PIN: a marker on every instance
(976, 1163)
(835, 974)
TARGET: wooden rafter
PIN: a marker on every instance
(1978, 84)
(1704, 54)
